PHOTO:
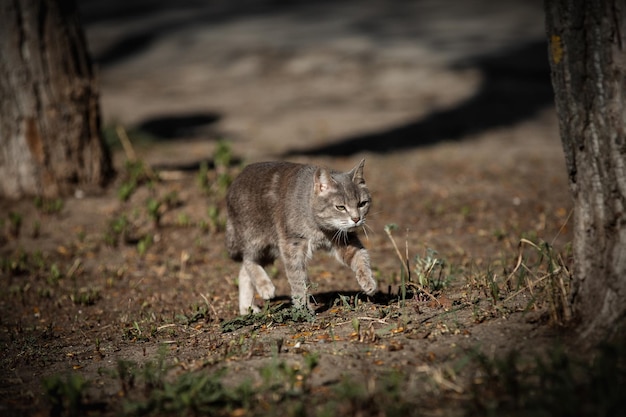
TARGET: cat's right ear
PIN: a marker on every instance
(322, 180)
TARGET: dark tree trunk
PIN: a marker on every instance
(51, 142)
(588, 61)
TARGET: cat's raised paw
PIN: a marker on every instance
(266, 290)
(366, 281)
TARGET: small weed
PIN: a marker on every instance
(556, 384)
(135, 174)
(148, 391)
(126, 372)
(66, 395)
(270, 315)
(216, 223)
(288, 380)
(15, 224)
(55, 274)
(203, 177)
(126, 190)
(183, 220)
(135, 333)
(190, 394)
(430, 271)
(216, 182)
(36, 230)
(198, 313)
(49, 206)
(144, 244)
(350, 303)
(153, 207)
(542, 273)
(384, 395)
(22, 262)
(223, 154)
(85, 296)
(117, 229)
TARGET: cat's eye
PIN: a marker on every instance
(341, 208)
(363, 203)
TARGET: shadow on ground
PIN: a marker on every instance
(177, 126)
(516, 86)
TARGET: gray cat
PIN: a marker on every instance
(286, 210)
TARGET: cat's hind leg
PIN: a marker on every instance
(260, 280)
(246, 293)
(253, 277)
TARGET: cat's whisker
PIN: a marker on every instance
(370, 228)
(337, 235)
(365, 231)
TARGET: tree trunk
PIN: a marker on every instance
(588, 61)
(51, 143)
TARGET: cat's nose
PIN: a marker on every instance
(356, 219)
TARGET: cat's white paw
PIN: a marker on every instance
(266, 289)
(367, 282)
(244, 310)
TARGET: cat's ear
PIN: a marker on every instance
(323, 181)
(356, 174)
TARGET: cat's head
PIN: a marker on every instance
(341, 199)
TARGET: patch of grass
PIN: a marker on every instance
(190, 394)
(66, 395)
(556, 384)
(183, 220)
(203, 177)
(15, 224)
(270, 315)
(85, 296)
(148, 390)
(430, 271)
(135, 174)
(348, 303)
(198, 313)
(540, 279)
(144, 244)
(134, 332)
(153, 208)
(36, 230)
(216, 183)
(116, 230)
(55, 274)
(49, 206)
(216, 222)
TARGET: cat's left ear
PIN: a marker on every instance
(323, 181)
(357, 173)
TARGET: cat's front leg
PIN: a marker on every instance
(356, 257)
(294, 256)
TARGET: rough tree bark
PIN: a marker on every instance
(51, 142)
(588, 61)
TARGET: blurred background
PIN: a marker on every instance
(289, 78)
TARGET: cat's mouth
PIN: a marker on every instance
(354, 227)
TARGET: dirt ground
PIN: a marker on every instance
(450, 106)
